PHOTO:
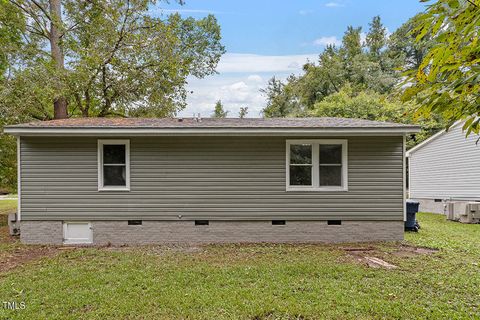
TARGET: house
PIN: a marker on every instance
(445, 168)
(140, 181)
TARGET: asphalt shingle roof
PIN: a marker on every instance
(233, 123)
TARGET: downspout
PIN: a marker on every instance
(404, 177)
(19, 182)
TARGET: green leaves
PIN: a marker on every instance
(372, 105)
(371, 66)
(447, 80)
(281, 98)
(219, 112)
(242, 113)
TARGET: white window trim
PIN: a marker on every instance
(315, 165)
(103, 142)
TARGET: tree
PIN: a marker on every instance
(404, 50)
(219, 112)
(447, 82)
(367, 104)
(12, 25)
(363, 68)
(320, 80)
(372, 105)
(376, 37)
(243, 112)
(119, 59)
(41, 19)
(351, 44)
(8, 160)
(280, 100)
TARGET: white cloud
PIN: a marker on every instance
(254, 63)
(324, 41)
(255, 78)
(240, 86)
(305, 12)
(334, 4)
(234, 92)
(239, 82)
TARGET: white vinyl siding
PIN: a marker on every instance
(448, 167)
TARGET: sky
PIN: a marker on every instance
(266, 38)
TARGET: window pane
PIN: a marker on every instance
(114, 176)
(300, 154)
(114, 153)
(330, 153)
(330, 175)
(300, 175)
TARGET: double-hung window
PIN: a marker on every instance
(113, 165)
(317, 165)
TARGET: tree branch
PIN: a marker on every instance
(72, 27)
(35, 18)
(115, 48)
(79, 101)
(36, 31)
(45, 12)
(106, 98)
(331, 81)
(472, 3)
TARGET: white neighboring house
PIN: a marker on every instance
(444, 168)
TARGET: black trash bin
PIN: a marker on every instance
(412, 208)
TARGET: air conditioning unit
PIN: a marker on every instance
(454, 209)
(471, 213)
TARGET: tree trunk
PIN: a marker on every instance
(60, 103)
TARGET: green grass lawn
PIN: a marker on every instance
(263, 281)
(6, 207)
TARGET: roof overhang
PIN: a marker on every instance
(432, 138)
(117, 131)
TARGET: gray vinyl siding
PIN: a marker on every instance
(224, 178)
(446, 168)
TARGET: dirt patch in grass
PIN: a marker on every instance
(22, 256)
(5, 237)
(411, 251)
(369, 258)
(14, 254)
(376, 257)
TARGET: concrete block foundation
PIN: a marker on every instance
(163, 232)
